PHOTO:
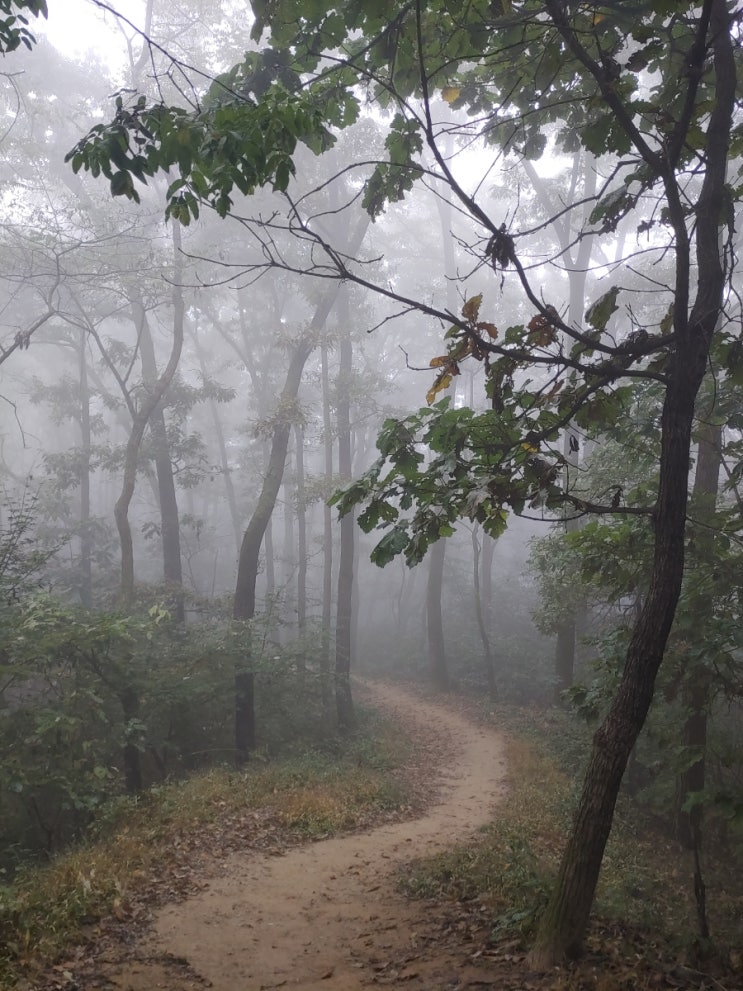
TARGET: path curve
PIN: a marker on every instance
(324, 917)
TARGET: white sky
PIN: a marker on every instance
(77, 27)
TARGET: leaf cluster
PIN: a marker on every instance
(14, 30)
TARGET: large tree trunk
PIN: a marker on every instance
(564, 922)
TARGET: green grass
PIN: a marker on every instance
(136, 842)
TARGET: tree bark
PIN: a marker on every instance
(564, 922)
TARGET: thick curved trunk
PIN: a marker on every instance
(564, 922)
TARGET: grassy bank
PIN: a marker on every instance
(154, 847)
(643, 934)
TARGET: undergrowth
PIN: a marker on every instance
(645, 893)
(136, 842)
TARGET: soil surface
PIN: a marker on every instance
(327, 916)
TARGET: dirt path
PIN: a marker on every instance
(326, 916)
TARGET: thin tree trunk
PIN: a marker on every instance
(150, 402)
(697, 684)
(344, 608)
(289, 561)
(577, 261)
(229, 487)
(301, 543)
(487, 651)
(247, 572)
(170, 532)
(327, 556)
(86, 542)
(434, 621)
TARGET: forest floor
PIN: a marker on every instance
(247, 906)
(326, 915)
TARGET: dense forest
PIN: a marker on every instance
(392, 340)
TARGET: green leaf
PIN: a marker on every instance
(598, 313)
(392, 544)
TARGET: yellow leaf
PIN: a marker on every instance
(441, 360)
(442, 382)
(450, 93)
(471, 308)
(526, 446)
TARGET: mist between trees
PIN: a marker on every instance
(467, 271)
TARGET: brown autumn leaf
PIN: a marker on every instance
(471, 308)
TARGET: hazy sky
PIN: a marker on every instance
(77, 26)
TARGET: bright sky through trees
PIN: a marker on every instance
(77, 27)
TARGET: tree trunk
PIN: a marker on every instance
(564, 922)
(170, 531)
(487, 652)
(301, 544)
(486, 581)
(223, 459)
(327, 540)
(86, 542)
(697, 681)
(577, 260)
(344, 608)
(247, 571)
(150, 402)
(289, 563)
(434, 622)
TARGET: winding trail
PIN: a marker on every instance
(326, 916)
